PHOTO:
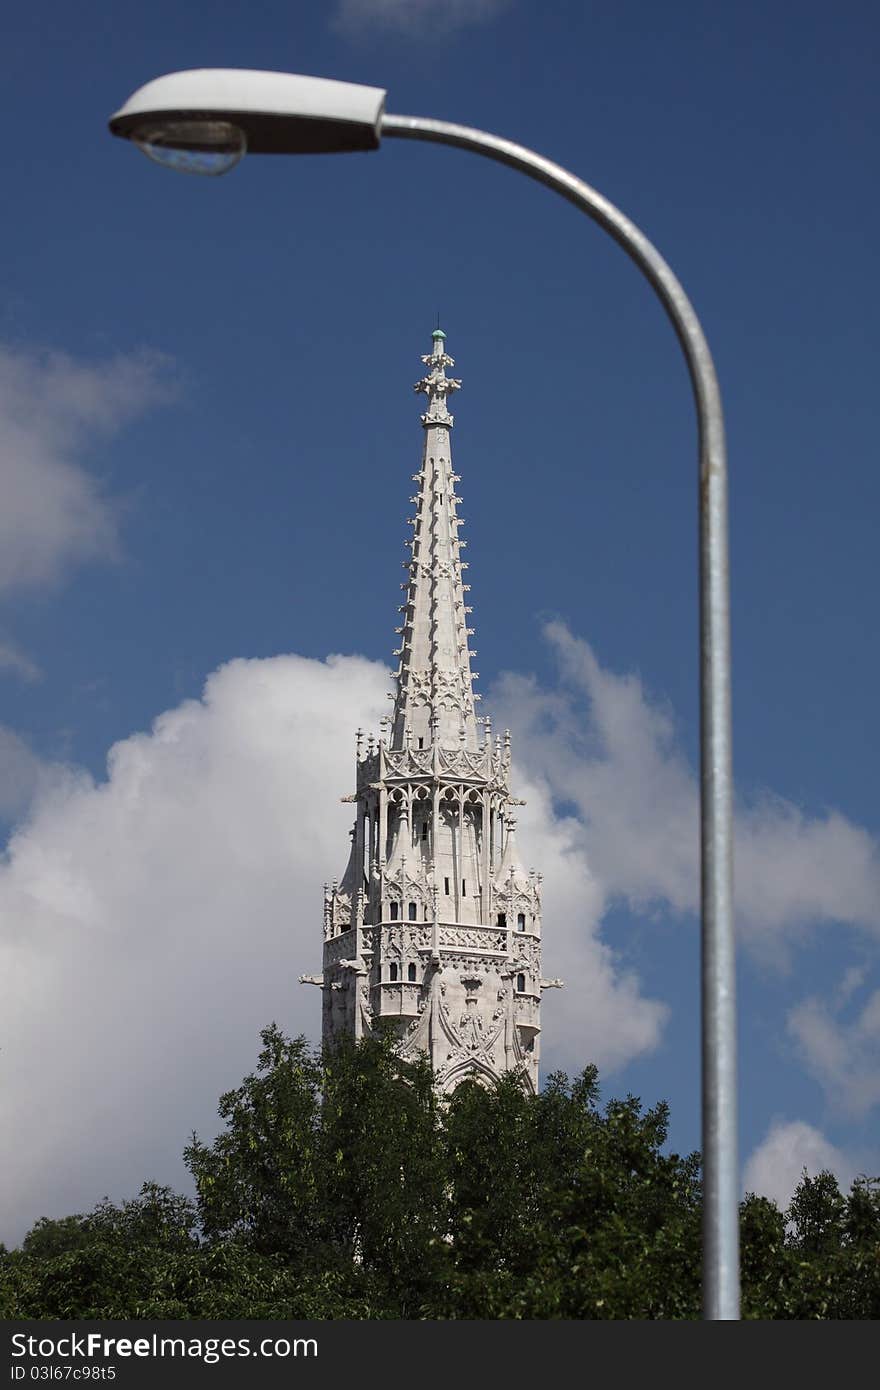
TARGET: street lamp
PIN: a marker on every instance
(203, 121)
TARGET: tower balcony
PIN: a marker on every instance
(527, 1014)
(341, 947)
(397, 998)
(463, 764)
(408, 762)
(451, 936)
(455, 936)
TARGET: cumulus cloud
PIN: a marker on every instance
(601, 1015)
(603, 747)
(777, 1164)
(55, 512)
(841, 1055)
(415, 17)
(155, 921)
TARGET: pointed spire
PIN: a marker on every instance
(435, 696)
(352, 878)
(511, 869)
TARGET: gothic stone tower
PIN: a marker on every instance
(435, 924)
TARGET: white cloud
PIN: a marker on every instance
(851, 981)
(777, 1164)
(22, 774)
(18, 663)
(415, 17)
(842, 1056)
(606, 749)
(601, 1015)
(794, 871)
(52, 407)
(154, 922)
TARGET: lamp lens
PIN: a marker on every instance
(193, 147)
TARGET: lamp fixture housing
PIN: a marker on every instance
(277, 112)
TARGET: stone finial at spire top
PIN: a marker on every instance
(437, 385)
(438, 349)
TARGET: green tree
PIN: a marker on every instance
(330, 1163)
(110, 1263)
(766, 1261)
(143, 1260)
(820, 1259)
(260, 1180)
(50, 1237)
(862, 1241)
(341, 1187)
(561, 1209)
(385, 1189)
(835, 1244)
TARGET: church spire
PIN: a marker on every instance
(435, 928)
(434, 700)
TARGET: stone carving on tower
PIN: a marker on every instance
(435, 924)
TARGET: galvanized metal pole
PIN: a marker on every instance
(720, 1168)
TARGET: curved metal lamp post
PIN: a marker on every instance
(203, 121)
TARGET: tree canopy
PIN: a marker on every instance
(342, 1187)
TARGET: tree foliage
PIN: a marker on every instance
(341, 1187)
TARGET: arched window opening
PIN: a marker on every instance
(395, 911)
(411, 912)
(411, 973)
(502, 919)
(520, 982)
(446, 886)
(392, 971)
(520, 921)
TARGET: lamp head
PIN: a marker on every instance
(203, 121)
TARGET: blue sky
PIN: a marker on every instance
(207, 431)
